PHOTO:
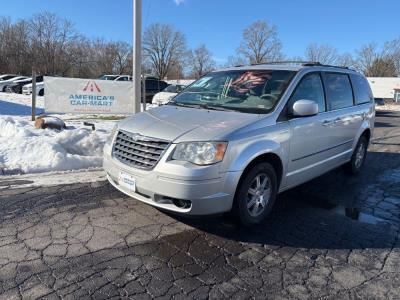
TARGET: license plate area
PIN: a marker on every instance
(128, 181)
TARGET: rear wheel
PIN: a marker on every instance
(256, 195)
(358, 158)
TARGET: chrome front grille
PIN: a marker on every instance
(137, 150)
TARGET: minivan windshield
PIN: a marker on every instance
(250, 91)
(173, 88)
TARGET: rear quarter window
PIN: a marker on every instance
(338, 90)
(362, 90)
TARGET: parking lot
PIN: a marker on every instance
(335, 237)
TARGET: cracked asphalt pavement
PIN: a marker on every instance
(336, 237)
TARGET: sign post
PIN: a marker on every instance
(33, 94)
(137, 42)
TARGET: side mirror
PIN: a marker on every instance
(305, 108)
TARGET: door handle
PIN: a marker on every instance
(337, 120)
(326, 123)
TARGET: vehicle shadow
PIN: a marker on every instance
(16, 109)
(334, 211)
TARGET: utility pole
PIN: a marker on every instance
(137, 60)
(33, 94)
(144, 100)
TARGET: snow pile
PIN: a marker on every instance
(24, 149)
(388, 106)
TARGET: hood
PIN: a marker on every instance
(38, 84)
(164, 95)
(179, 124)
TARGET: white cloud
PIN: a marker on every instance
(178, 2)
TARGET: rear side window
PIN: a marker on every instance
(310, 88)
(362, 90)
(151, 85)
(338, 90)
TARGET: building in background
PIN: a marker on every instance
(387, 88)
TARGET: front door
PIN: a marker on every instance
(312, 138)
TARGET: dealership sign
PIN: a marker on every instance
(87, 96)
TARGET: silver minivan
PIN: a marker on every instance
(237, 137)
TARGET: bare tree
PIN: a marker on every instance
(14, 46)
(346, 60)
(176, 70)
(233, 61)
(381, 67)
(324, 54)
(201, 61)
(260, 43)
(366, 56)
(392, 51)
(51, 38)
(5, 33)
(162, 45)
(55, 48)
(375, 62)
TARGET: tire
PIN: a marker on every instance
(41, 92)
(251, 204)
(354, 166)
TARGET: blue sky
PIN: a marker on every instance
(345, 24)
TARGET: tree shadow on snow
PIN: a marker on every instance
(17, 109)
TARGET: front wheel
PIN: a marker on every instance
(358, 158)
(256, 194)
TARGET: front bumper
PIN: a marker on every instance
(206, 196)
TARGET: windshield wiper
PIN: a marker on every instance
(203, 106)
(182, 104)
(216, 107)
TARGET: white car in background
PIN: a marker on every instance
(27, 89)
(124, 78)
(167, 94)
(4, 83)
(7, 76)
(116, 77)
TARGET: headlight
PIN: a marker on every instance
(112, 133)
(200, 153)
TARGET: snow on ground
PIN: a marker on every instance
(25, 149)
(388, 106)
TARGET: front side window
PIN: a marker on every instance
(310, 88)
(171, 89)
(338, 91)
(250, 91)
(362, 90)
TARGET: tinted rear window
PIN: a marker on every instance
(338, 90)
(362, 90)
(151, 85)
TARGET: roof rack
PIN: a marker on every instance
(318, 64)
(284, 62)
(300, 62)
